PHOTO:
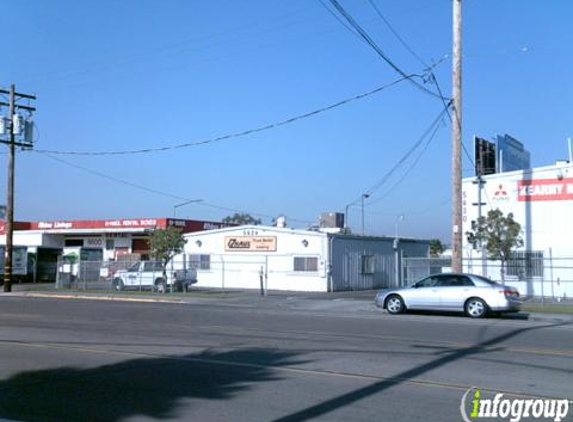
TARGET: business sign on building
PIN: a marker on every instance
(545, 190)
(250, 243)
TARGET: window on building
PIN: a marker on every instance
(368, 264)
(200, 262)
(525, 264)
(305, 264)
(109, 244)
(74, 242)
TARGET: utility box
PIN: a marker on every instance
(331, 220)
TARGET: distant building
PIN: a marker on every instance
(254, 257)
(100, 239)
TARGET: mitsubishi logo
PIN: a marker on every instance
(500, 194)
(500, 191)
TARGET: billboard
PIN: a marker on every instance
(484, 151)
(511, 155)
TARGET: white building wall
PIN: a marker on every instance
(34, 239)
(544, 209)
(243, 269)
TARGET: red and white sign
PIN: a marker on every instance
(501, 194)
(117, 225)
(545, 190)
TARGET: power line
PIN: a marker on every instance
(419, 211)
(340, 21)
(413, 148)
(409, 170)
(408, 153)
(236, 134)
(159, 192)
(396, 34)
(375, 47)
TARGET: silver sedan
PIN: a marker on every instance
(469, 293)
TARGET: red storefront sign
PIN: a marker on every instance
(186, 226)
(18, 225)
(131, 223)
(545, 190)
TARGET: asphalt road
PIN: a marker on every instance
(82, 360)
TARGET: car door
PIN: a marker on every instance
(132, 276)
(151, 272)
(455, 289)
(424, 294)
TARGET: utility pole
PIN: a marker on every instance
(11, 142)
(457, 138)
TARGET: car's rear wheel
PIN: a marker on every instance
(395, 305)
(475, 308)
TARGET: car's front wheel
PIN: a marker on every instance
(476, 308)
(395, 305)
(118, 284)
(161, 285)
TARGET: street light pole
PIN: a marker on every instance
(363, 197)
(192, 201)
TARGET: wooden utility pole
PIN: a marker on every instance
(9, 226)
(457, 138)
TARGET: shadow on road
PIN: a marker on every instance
(152, 387)
(453, 355)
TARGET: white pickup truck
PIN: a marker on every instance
(148, 275)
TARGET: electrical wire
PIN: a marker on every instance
(408, 153)
(396, 34)
(340, 21)
(158, 192)
(412, 166)
(405, 157)
(376, 48)
(235, 134)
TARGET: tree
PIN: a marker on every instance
(436, 248)
(165, 244)
(241, 219)
(498, 234)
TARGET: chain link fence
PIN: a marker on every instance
(212, 272)
(533, 274)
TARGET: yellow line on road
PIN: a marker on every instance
(107, 297)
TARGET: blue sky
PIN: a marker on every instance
(113, 75)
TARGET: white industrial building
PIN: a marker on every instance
(278, 258)
(541, 200)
